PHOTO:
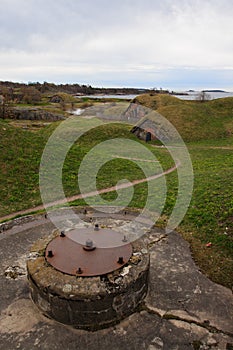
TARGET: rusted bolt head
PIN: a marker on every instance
(89, 243)
(120, 260)
(50, 254)
(62, 234)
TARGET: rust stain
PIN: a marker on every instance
(69, 255)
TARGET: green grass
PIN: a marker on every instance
(20, 153)
(209, 217)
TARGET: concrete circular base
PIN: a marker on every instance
(89, 303)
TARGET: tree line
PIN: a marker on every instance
(67, 88)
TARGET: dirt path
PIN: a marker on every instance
(88, 194)
(198, 147)
(219, 147)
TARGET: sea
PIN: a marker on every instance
(212, 95)
(188, 95)
(122, 97)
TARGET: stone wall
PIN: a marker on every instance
(34, 114)
(17, 221)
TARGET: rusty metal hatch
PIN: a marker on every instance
(88, 252)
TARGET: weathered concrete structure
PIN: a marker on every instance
(87, 302)
(183, 309)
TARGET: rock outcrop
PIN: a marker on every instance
(34, 114)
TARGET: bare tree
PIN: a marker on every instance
(203, 96)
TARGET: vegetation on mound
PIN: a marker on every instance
(194, 120)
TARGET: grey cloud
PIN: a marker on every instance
(100, 40)
(22, 20)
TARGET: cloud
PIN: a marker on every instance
(127, 39)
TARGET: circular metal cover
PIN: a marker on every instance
(103, 238)
(68, 254)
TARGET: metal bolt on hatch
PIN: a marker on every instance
(120, 260)
(89, 245)
(62, 234)
(50, 253)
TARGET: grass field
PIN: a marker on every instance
(209, 218)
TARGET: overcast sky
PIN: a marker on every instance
(175, 44)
